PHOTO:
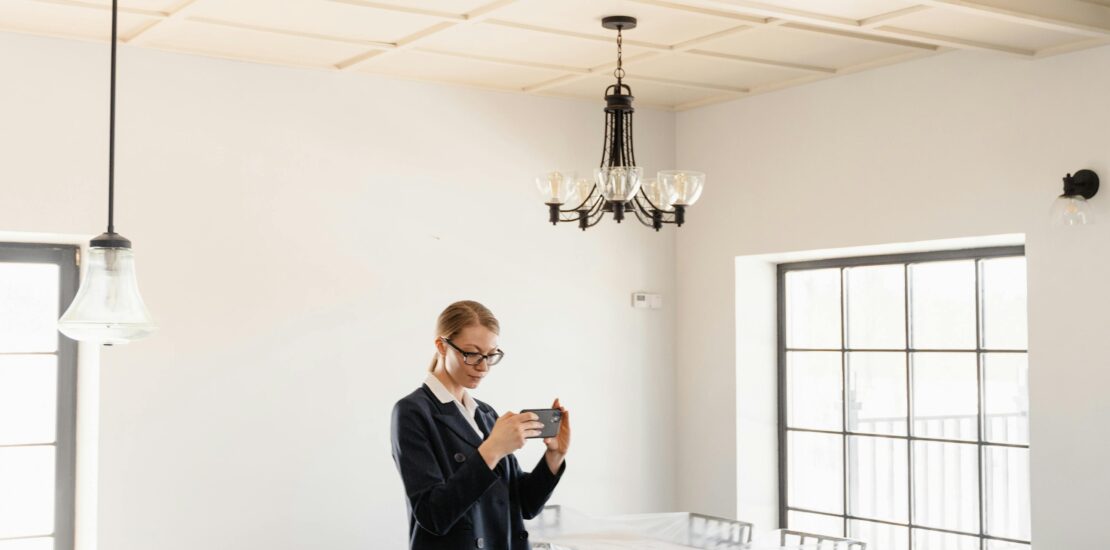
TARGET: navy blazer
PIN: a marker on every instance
(454, 500)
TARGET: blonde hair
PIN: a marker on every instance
(460, 315)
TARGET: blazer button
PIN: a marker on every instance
(523, 535)
(480, 543)
(459, 457)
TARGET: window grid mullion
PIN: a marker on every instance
(844, 395)
(909, 404)
(979, 399)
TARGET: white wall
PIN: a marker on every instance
(958, 145)
(297, 232)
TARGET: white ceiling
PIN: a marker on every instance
(683, 54)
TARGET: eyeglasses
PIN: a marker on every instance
(474, 358)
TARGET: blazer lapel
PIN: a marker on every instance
(485, 419)
(449, 415)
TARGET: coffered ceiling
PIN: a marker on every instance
(683, 54)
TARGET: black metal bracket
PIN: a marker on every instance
(618, 22)
(110, 240)
(1084, 182)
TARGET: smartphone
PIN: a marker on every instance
(551, 419)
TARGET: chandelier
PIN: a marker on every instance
(617, 185)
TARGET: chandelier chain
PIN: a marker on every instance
(619, 72)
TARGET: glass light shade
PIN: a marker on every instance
(555, 186)
(619, 183)
(108, 308)
(661, 196)
(685, 185)
(582, 189)
(1071, 210)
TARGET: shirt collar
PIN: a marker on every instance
(444, 395)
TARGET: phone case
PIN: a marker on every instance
(551, 419)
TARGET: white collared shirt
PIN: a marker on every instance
(468, 406)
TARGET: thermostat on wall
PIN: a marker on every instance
(646, 300)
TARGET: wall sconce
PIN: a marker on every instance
(1071, 208)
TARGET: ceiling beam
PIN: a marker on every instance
(105, 7)
(959, 43)
(505, 61)
(1070, 16)
(441, 15)
(875, 21)
(178, 13)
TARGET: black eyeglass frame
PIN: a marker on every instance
(491, 359)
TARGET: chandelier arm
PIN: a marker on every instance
(640, 216)
(631, 148)
(583, 203)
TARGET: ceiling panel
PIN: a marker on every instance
(983, 29)
(250, 45)
(455, 70)
(59, 20)
(646, 93)
(713, 71)
(683, 52)
(317, 17)
(657, 25)
(150, 5)
(803, 47)
(523, 45)
(847, 9)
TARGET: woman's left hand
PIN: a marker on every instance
(557, 446)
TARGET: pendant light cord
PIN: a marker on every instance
(112, 127)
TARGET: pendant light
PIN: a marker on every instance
(108, 308)
(618, 186)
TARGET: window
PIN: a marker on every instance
(903, 399)
(38, 397)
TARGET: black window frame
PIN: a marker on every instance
(67, 258)
(905, 259)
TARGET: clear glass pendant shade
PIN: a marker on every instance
(1071, 210)
(583, 187)
(108, 308)
(661, 196)
(685, 185)
(619, 183)
(555, 186)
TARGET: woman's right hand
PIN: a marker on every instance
(509, 433)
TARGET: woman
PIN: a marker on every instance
(464, 486)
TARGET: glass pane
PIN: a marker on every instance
(28, 307)
(878, 478)
(813, 308)
(42, 543)
(815, 523)
(946, 485)
(942, 305)
(26, 491)
(1002, 545)
(814, 395)
(879, 535)
(876, 307)
(28, 398)
(1004, 309)
(924, 539)
(816, 472)
(877, 392)
(945, 401)
(1006, 397)
(1006, 491)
